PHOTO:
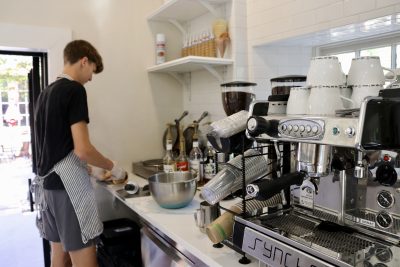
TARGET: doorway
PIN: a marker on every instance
(22, 75)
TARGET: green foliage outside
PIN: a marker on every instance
(14, 71)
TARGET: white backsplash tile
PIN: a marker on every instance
(352, 7)
(383, 3)
(328, 13)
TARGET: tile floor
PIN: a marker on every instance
(20, 244)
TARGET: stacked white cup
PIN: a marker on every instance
(326, 79)
(366, 78)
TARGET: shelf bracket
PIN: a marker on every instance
(210, 8)
(181, 79)
(213, 72)
(178, 25)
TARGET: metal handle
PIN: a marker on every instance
(205, 114)
(184, 114)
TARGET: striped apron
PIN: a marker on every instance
(75, 177)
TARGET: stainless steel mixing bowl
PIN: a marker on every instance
(172, 190)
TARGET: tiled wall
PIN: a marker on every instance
(274, 61)
(270, 20)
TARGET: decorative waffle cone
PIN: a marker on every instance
(219, 27)
(221, 43)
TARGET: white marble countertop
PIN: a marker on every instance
(179, 225)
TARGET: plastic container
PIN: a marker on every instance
(230, 125)
(229, 179)
(237, 96)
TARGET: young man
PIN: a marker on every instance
(68, 215)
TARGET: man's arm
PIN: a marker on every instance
(85, 150)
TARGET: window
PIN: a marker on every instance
(388, 50)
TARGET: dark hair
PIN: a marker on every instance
(78, 49)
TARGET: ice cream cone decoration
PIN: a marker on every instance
(220, 30)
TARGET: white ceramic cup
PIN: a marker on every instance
(325, 100)
(325, 71)
(346, 92)
(298, 101)
(367, 71)
(362, 91)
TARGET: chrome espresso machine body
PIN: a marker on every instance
(345, 211)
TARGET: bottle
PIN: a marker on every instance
(209, 163)
(160, 48)
(182, 163)
(196, 159)
(169, 164)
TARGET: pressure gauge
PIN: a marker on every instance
(385, 199)
(384, 219)
(384, 254)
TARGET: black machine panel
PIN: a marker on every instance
(381, 130)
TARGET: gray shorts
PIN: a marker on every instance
(60, 222)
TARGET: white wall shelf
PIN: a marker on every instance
(192, 63)
(178, 12)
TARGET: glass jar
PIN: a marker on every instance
(237, 96)
(281, 85)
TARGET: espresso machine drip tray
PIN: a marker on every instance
(305, 241)
(329, 236)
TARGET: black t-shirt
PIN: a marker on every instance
(59, 106)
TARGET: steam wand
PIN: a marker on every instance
(360, 170)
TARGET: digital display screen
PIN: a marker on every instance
(381, 125)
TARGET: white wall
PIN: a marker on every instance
(127, 107)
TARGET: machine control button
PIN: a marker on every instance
(335, 131)
(308, 128)
(314, 129)
(386, 175)
(290, 128)
(284, 127)
(301, 128)
(387, 158)
(350, 131)
(295, 128)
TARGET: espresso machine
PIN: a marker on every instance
(343, 188)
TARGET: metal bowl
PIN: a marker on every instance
(172, 190)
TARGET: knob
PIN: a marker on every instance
(386, 175)
(350, 131)
(283, 127)
(308, 128)
(290, 128)
(258, 125)
(301, 128)
(295, 128)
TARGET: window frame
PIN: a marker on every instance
(392, 40)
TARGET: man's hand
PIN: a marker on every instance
(117, 172)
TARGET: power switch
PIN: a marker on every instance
(350, 131)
